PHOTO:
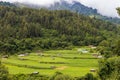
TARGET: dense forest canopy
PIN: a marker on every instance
(27, 29)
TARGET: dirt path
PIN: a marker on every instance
(61, 68)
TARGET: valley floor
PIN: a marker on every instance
(75, 62)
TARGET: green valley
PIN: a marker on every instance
(43, 44)
(72, 62)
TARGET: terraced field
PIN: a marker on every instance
(71, 62)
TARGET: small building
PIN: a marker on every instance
(95, 55)
(5, 56)
(35, 73)
(82, 51)
(21, 55)
(100, 57)
(92, 70)
(92, 46)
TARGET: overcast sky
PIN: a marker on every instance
(105, 7)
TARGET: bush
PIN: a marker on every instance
(29, 77)
(109, 69)
(88, 76)
(63, 77)
(60, 76)
(4, 75)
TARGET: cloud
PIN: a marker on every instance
(105, 7)
(40, 2)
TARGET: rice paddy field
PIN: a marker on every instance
(75, 62)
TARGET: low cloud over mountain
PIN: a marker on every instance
(105, 7)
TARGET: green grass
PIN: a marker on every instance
(69, 62)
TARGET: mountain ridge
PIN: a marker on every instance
(75, 6)
(8, 4)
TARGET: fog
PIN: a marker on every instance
(105, 7)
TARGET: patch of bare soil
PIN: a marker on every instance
(61, 68)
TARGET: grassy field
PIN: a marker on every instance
(71, 62)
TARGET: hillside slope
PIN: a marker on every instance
(75, 6)
(27, 29)
(82, 9)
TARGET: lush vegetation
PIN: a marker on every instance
(4, 74)
(48, 62)
(71, 62)
(109, 67)
(23, 30)
(118, 10)
(28, 29)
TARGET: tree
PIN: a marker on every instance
(60, 76)
(109, 69)
(116, 51)
(88, 76)
(29, 77)
(3, 73)
(118, 9)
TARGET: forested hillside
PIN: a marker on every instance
(94, 45)
(75, 6)
(109, 67)
(24, 29)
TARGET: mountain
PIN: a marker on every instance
(27, 5)
(7, 4)
(24, 29)
(75, 6)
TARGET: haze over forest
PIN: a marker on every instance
(105, 7)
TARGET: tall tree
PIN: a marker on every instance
(118, 9)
